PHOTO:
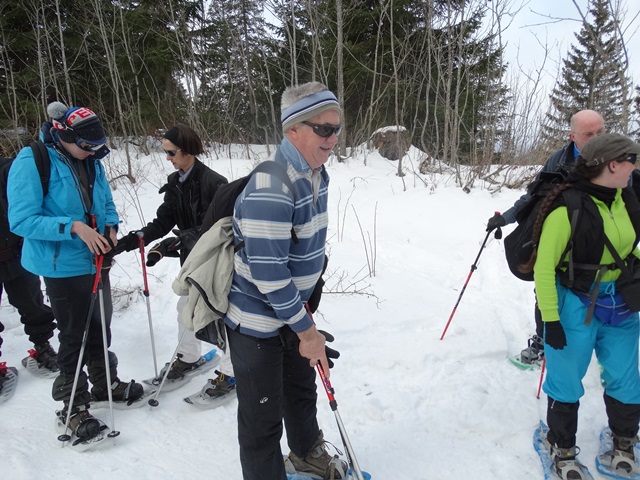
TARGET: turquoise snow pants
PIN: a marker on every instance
(616, 349)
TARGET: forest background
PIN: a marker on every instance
(437, 68)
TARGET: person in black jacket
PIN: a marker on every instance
(187, 195)
(25, 294)
(584, 125)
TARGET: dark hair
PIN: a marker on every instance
(185, 138)
(588, 173)
(545, 207)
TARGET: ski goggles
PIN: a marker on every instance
(325, 130)
(171, 153)
(88, 146)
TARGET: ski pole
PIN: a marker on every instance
(65, 437)
(328, 388)
(544, 363)
(113, 433)
(154, 401)
(140, 235)
(498, 236)
(353, 462)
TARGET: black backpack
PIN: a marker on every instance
(225, 197)
(10, 243)
(220, 209)
(518, 245)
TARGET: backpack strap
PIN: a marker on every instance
(43, 163)
(573, 202)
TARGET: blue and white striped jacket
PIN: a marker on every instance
(274, 276)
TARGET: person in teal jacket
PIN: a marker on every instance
(572, 330)
(63, 233)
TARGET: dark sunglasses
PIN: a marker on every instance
(88, 147)
(171, 153)
(324, 131)
(629, 157)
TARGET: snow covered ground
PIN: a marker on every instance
(414, 407)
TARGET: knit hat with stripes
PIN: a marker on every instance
(305, 101)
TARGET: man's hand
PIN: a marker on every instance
(496, 221)
(186, 238)
(127, 243)
(165, 248)
(312, 346)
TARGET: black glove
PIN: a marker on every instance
(496, 221)
(108, 257)
(554, 335)
(165, 248)
(127, 243)
(331, 353)
(187, 238)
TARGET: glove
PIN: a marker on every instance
(554, 335)
(187, 238)
(165, 248)
(330, 352)
(127, 243)
(108, 257)
(496, 221)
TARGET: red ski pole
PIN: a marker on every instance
(474, 267)
(353, 463)
(351, 457)
(544, 363)
(140, 235)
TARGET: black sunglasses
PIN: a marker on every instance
(172, 153)
(324, 131)
(629, 157)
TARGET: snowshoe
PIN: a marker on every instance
(318, 462)
(84, 432)
(558, 464)
(205, 363)
(618, 458)
(42, 361)
(8, 381)
(124, 395)
(215, 392)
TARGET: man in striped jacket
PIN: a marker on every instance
(273, 340)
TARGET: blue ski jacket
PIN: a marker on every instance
(50, 249)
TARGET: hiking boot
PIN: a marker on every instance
(81, 423)
(565, 463)
(219, 387)
(623, 455)
(120, 392)
(318, 461)
(179, 368)
(534, 352)
(46, 356)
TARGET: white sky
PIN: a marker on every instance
(539, 26)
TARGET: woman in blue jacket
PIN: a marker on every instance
(63, 232)
(582, 307)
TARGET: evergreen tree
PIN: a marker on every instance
(593, 77)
